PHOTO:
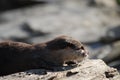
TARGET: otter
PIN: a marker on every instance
(18, 56)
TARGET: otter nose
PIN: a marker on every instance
(84, 53)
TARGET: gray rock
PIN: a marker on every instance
(115, 64)
(11, 30)
(96, 70)
(100, 52)
(70, 17)
(112, 34)
(11, 4)
(107, 3)
(108, 52)
(114, 53)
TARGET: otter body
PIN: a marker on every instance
(17, 56)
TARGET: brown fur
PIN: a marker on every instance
(17, 56)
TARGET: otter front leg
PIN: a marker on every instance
(41, 63)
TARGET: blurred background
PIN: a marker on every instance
(96, 23)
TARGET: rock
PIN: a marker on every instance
(12, 30)
(12, 4)
(19, 32)
(108, 52)
(107, 3)
(115, 64)
(70, 17)
(88, 70)
(112, 34)
(101, 52)
(114, 52)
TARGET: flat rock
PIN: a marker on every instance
(87, 70)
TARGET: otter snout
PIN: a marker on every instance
(84, 53)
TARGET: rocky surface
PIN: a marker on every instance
(87, 70)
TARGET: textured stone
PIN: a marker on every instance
(88, 70)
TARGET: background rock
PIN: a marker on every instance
(13, 4)
(107, 3)
(112, 35)
(50, 18)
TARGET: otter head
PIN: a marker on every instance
(67, 49)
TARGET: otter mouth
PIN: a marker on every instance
(70, 63)
(81, 52)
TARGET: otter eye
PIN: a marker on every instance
(72, 46)
(66, 44)
(63, 45)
